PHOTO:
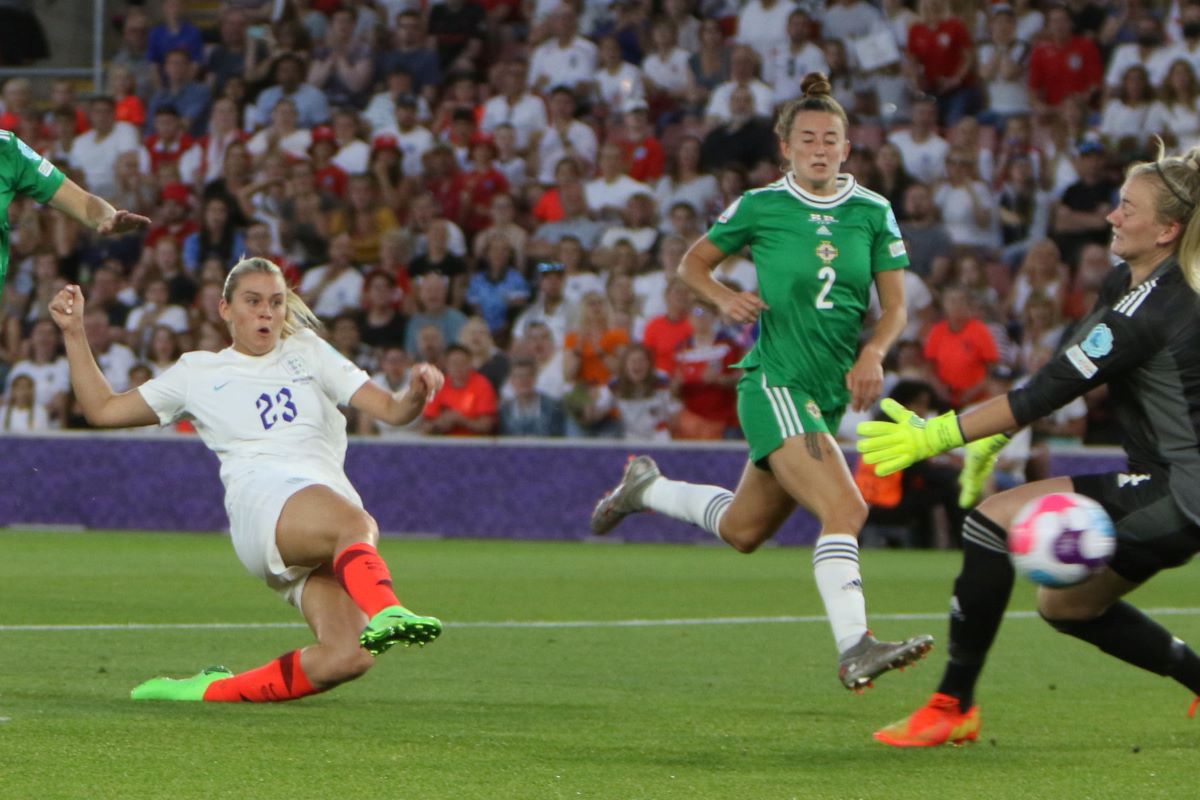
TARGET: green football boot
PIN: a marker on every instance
(397, 625)
(192, 688)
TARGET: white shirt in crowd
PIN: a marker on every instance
(1181, 120)
(24, 420)
(381, 112)
(527, 116)
(353, 157)
(718, 104)
(917, 297)
(115, 364)
(699, 193)
(764, 28)
(925, 161)
(602, 194)
(563, 66)
(671, 73)
(1118, 120)
(616, 90)
(552, 148)
(344, 293)
(277, 410)
(1008, 96)
(48, 379)
(97, 159)
(1126, 55)
(783, 69)
(413, 144)
(958, 214)
(295, 144)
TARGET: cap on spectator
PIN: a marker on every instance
(550, 266)
(177, 192)
(167, 108)
(384, 141)
(1090, 147)
(323, 133)
(635, 104)
(406, 100)
(1000, 7)
(1003, 372)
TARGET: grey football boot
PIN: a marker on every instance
(626, 497)
(870, 658)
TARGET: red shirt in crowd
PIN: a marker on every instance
(1055, 72)
(475, 192)
(475, 398)
(960, 358)
(163, 152)
(645, 159)
(696, 369)
(940, 50)
(665, 339)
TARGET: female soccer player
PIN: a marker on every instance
(1143, 340)
(817, 240)
(267, 406)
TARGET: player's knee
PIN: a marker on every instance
(849, 517)
(744, 538)
(1061, 608)
(360, 526)
(350, 663)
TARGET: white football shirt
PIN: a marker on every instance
(277, 411)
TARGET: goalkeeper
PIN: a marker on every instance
(1143, 340)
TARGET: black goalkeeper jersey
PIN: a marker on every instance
(1144, 342)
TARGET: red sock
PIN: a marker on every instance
(281, 679)
(365, 577)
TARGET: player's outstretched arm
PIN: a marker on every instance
(95, 212)
(893, 446)
(424, 381)
(101, 405)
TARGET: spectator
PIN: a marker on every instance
(706, 378)
(665, 72)
(892, 177)
(155, 310)
(20, 413)
(527, 411)
(381, 110)
(1092, 268)
(684, 182)
(95, 153)
(687, 27)
(487, 359)
(466, 404)
(134, 53)
(638, 229)
(550, 308)
(1147, 51)
(922, 149)
(1080, 215)
(961, 349)
(709, 66)
(165, 146)
(114, 358)
(618, 83)
(459, 28)
(1042, 271)
(1004, 64)
(164, 350)
(540, 344)
(651, 286)
(312, 107)
(408, 52)
(667, 334)
(1023, 208)
(846, 20)
(744, 138)
(392, 375)
(944, 57)
(204, 161)
(575, 223)
(477, 186)
(175, 32)
(564, 137)
(789, 58)
(45, 366)
(352, 154)
(925, 238)
(579, 276)
(509, 160)
(591, 350)
(383, 325)
(503, 215)
(1125, 112)
(337, 286)
(765, 25)
(364, 219)
(497, 292)
(1176, 112)
(228, 57)
(968, 205)
(1063, 64)
(566, 58)
(743, 69)
(189, 97)
(341, 68)
(432, 294)
(608, 194)
(514, 105)
(218, 237)
(1041, 327)
(640, 147)
(134, 191)
(644, 405)
(439, 259)
(18, 98)
(284, 135)
(345, 336)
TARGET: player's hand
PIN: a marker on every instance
(977, 466)
(122, 222)
(66, 309)
(893, 446)
(741, 307)
(425, 380)
(865, 381)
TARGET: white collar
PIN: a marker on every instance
(845, 187)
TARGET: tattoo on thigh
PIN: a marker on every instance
(813, 442)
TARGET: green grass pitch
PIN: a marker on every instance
(746, 709)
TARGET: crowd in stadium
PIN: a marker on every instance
(505, 189)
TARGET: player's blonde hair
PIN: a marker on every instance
(1176, 184)
(299, 315)
(816, 94)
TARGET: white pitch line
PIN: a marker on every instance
(537, 624)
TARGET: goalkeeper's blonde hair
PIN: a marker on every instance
(1176, 182)
(299, 315)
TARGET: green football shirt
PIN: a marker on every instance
(24, 172)
(816, 258)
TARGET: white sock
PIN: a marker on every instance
(835, 566)
(697, 503)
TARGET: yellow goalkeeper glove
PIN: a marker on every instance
(977, 466)
(893, 446)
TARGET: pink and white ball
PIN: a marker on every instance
(1060, 539)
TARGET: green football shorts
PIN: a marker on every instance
(769, 414)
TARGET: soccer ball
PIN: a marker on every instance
(1060, 539)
